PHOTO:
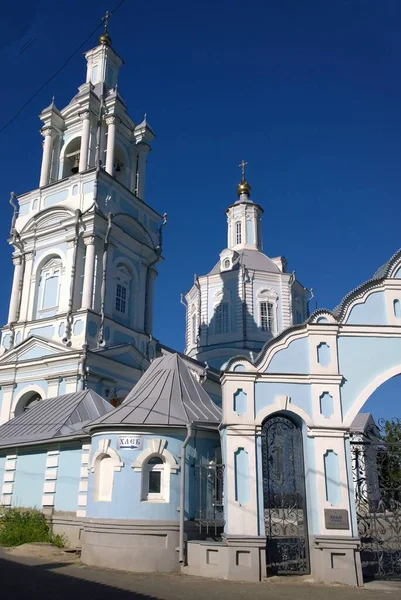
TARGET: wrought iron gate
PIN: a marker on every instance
(287, 550)
(209, 512)
(376, 467)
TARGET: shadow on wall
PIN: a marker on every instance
(233, 328)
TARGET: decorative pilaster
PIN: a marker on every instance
(8, 391)
(47, 156)
(27, 294)
(83, 484)
(83, 155)
(111, 139)
(51, 473)
(8, 480)
(87, 293)
(70, 384)
(16, 289)
(52, 389)
(143, 150)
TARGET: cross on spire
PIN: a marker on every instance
(243, 165)
(106, 20)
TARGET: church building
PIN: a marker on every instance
(243, 457)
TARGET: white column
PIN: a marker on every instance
(111, 138)
(15, 292)
(87, 293)
(28, 289)
(47, 156)
(52, 387)
(83, 156)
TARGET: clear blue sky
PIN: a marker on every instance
(309, 93)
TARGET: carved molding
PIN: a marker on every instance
(17, 260)
(110, 120)
(89, 240)
(47, 131)
(84, 115)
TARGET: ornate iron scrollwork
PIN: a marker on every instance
(287, 550)
(376, 468)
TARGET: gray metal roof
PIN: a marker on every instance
(63, 416)
(252, 259)
(167, 394)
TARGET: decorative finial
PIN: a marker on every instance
(243, 187)
(105, 39)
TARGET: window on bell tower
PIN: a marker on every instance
(121, 298)
(48, 288)
(238, 233)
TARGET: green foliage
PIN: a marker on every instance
(19, 526)
(389, 459)
(59, 540)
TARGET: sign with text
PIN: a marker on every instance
(336, 518)
(130, 442)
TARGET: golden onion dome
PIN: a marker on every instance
(105, 39)
(244, 188)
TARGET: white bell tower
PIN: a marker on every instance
(244, 219)
(86, 246)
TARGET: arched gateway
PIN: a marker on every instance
(314, 379)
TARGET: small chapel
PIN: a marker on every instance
(242, 457)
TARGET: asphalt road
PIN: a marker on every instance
(49, 577)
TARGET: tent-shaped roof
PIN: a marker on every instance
(167, 394)
(59, 417)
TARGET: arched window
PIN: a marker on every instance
(104, 475)
(105, 461)
(70, 162)
(48, 289)
(26, 402)
(153, 479)
(33, 400)
(238, 233)
(122, 291)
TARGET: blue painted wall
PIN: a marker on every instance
(126, 499)
(293, 359)
(29, 479)
(266, 392)
(370, 312)
(361, 359)
(68, 478)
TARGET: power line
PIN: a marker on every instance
(65, 63)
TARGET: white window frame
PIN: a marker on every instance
(123, 280)
(164, 484)
(270, 299)
(51, 269)
(156, 447)
(238, 233)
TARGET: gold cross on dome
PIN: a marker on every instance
(243, 165)
(106, 20)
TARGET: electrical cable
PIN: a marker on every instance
(70, 57)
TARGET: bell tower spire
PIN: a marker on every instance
(244, 218)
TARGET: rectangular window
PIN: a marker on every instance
(221, 316)
(50, 291)
(155, 482)
(267, 321)
(121, 298)
(238, 236)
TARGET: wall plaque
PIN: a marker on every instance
(131, 442)
(336, 518)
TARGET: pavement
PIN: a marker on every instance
(41, 572)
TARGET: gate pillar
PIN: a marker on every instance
(334, 540)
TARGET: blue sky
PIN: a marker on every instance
(309, 93)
